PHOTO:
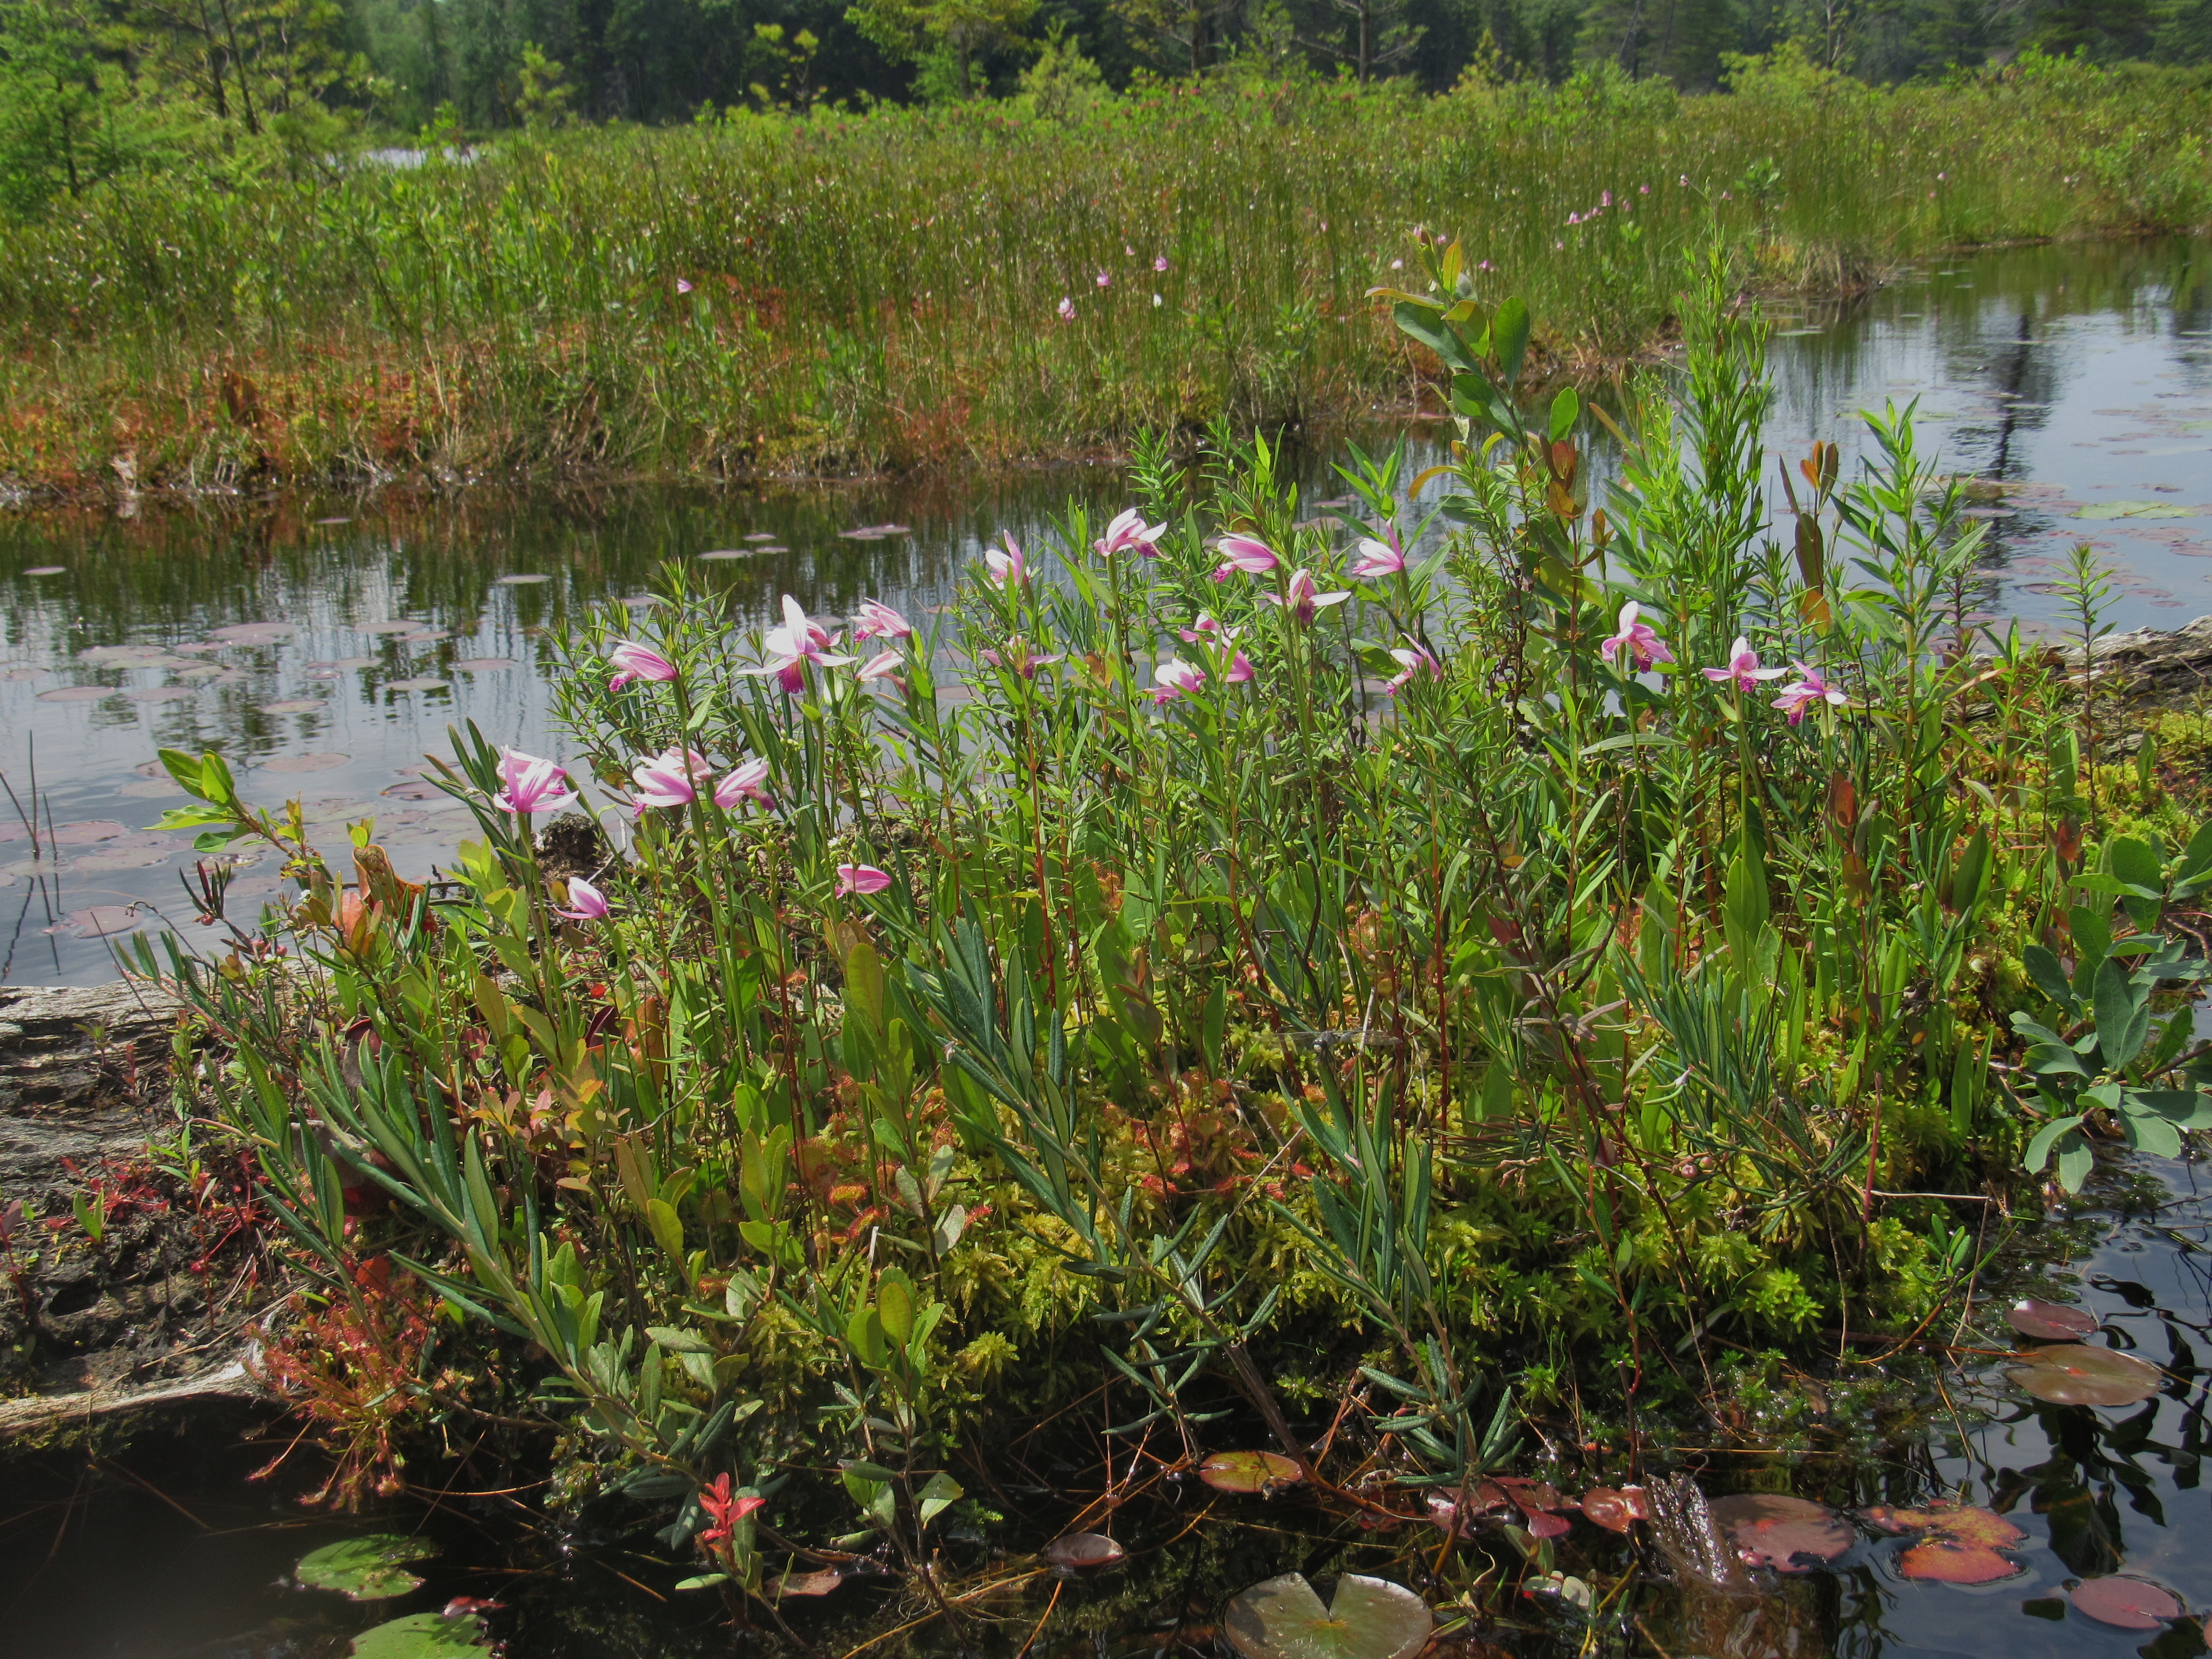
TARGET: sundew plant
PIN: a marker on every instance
(1239, 970)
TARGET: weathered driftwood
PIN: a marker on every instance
(66, 1054)
(2153, 665)
(31, 1414)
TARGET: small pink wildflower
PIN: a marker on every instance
(860, 880)
(1635, 638)
(1743, 671)
(1796, 699)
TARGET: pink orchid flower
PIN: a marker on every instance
(1067, 309)
(879, 621)
(860, 879)
(1207, 627)
(1174, 678)
(1253, 558)
(1743, 671)
(884, 665)
(1304, 600)
(1019, 657)
(743, 785)
(1644, 646)
(798, 641)
(633, 661)
(585, 902)
(1414, 659)
(1128, 532)
(1378, 558)
(1009, 568)
(1239, 670)
(1796, 699)
(1160, 263)
(530, 785)
(672, 778)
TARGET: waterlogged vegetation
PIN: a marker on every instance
(1385, 1009)
(768, 293)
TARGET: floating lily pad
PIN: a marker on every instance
(23, 671)
(483, 665)
(2129, 1603)
(96, 653)
(1773, 1530)
(1962, 1523)
(397, 625)
(1949, 1561)
(712, 554)
(76, 694)
(294, 706)
(371, 1569)
(46, 570)
(425, 683)
(2078, 1375)
(421, 1636)
(101, 919)
(203, 671)
(1248, 1472)
(414, 789)
(260, 632)
(522, 579)
(37, 869)
(2049, 1322)
(85, 831)
(195, 647)
(426, 636)
(113, 859)
(322, 762)
(1369, 1618)
(1079, 1550)
(2133, 510)
(769, 535)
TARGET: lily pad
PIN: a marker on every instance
(716, 553)
(322, 762)
(421, 1636)
(2133, 510)
(2129, 1603)
(259, 633)
(1081, 1551)
(2049, 1322)
(2075, 1374)
(371, 1569)
(46, 570)
(425, 683)
(769, 535)
(1962, 1523)
(85, 831)
(98, 654)
(1369, 1618)
(23, 671)
(1248, 1472)
(1947, 1561)
(76, 694)
(294, 706)
(521, 578)
(482, 665)
(397, 625)
(100, 920)
(1773, 1530)
(414, 789)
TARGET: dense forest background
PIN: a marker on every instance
(93, 88)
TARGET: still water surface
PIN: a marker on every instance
(325, 646)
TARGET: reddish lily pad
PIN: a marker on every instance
(98, 653)
(76, 694)
(1369, 1618)
(1616, 1511)
(322, 762)
(1248, 1472)
(1081, 1551)
(1947, 1561)
(2075, 1374)
(2129, 1603)
(1962, 1523)
(85, 831)
(425, 683)
(1772, 1530)
(2049, 1322)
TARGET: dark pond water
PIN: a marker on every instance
(324, 647)
(160, 1547)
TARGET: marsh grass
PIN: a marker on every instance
(883, 291)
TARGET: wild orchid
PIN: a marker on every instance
(530, 785)
(1253, 557)
(1812, 688)
(585, 902)
(884, 665)
(1127, 532)
(672, 778)
(633, 661)
(1302, 597)
(743, 784)
(1009, 568)
(1379, 559)
(1174, 678)
(1743, 671)
(860, 880)
(877, 620)
(1414, 659)
(1635, 638)
(791, 647)
(1018, 657)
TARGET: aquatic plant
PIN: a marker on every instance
(1134, 972)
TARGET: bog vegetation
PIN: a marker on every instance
(1443, 974)
(770, 293)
